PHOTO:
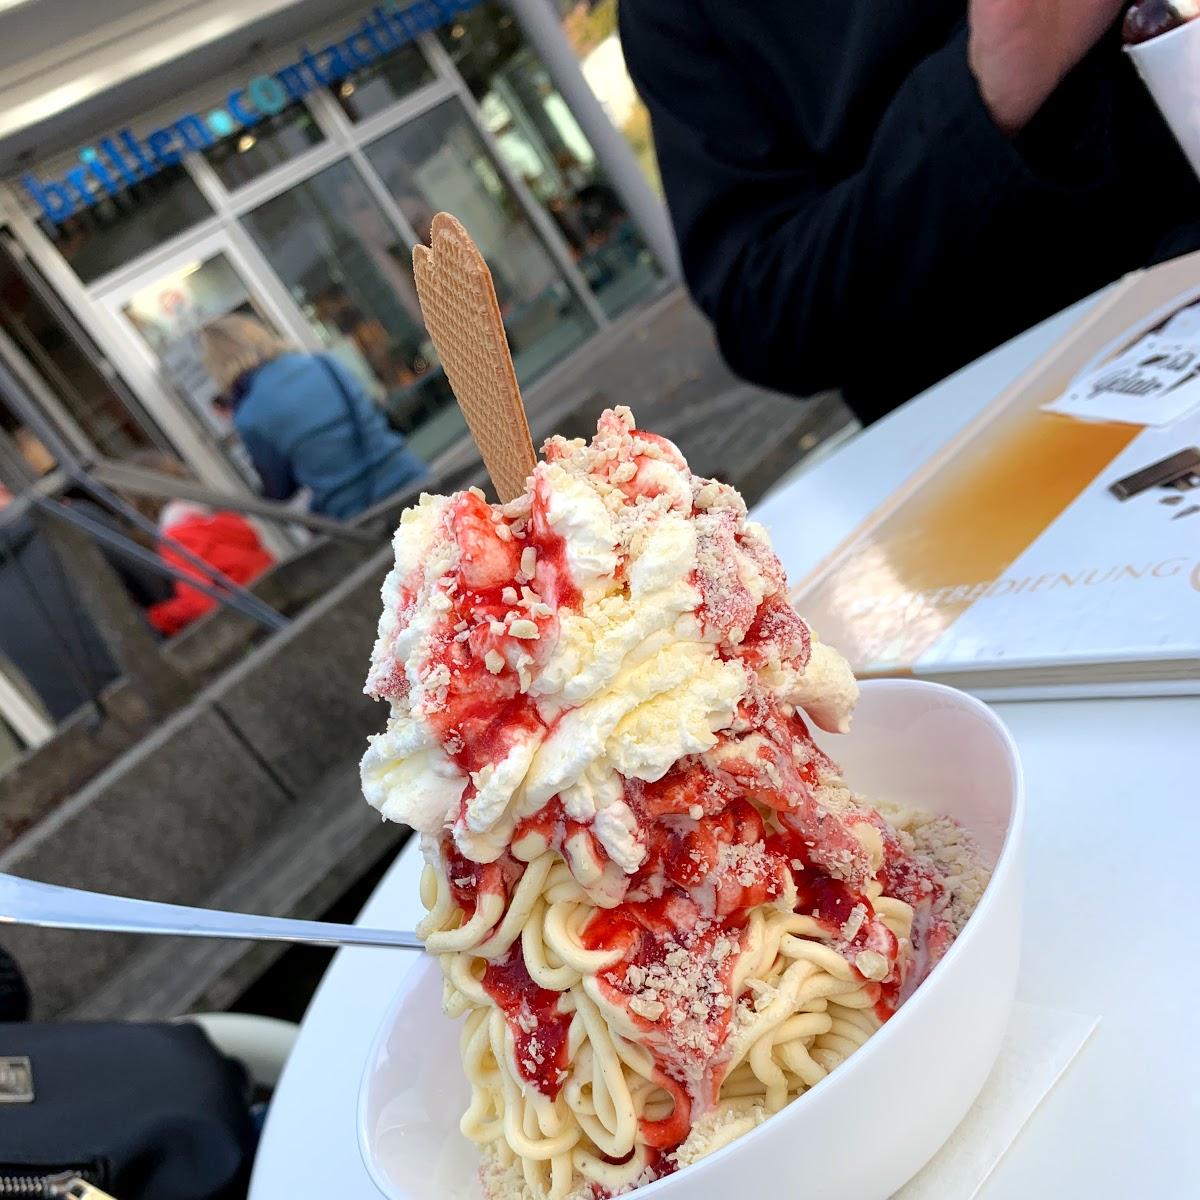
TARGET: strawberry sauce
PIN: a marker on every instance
(539, 1030)
(848, 917)
(663, 939)
(497, 623)
(470, 880)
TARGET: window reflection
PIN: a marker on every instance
(591, 30)
(438, 161)
(351, 274)
(255, 150)
(372, 89)
(118, 229)
(543, 143)
(101, 406)
(169, 314)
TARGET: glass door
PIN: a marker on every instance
(349, 272)
(165, 309)
(162, 309)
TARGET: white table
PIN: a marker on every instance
(1114, 826)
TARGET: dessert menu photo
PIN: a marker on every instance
(1054, 547)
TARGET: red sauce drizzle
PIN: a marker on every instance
(643, 931)
(777, 625)
(832, 901)
(554, 582)
(547, 823)
(696, 895)
(539, 1030)
(482, 714)
(658, 1162)
(556, 829)
(469, 880)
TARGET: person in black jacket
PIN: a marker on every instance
(44, 633)
(870, 193)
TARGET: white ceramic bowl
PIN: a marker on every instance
(868, 1127)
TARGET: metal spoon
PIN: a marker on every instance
(25, 902)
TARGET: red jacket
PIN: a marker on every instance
(224, 540)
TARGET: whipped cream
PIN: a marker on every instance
(617, 618)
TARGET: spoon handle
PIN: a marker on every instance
(25, 902)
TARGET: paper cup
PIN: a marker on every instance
(1170, 65)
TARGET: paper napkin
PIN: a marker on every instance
(1039, 1046)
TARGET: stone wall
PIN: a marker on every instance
(191, 803)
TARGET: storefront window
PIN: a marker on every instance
(119, 229)
(438, 162)
(541, 141)
(97, 403)
(252, 152)
(350, 273)
(374, 88)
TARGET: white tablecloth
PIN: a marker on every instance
(1114, 825)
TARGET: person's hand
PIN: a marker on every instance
(1021, 50)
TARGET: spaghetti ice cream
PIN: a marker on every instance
(659, 907)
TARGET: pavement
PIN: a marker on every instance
(662, 360)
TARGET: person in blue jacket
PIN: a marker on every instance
(305, 420)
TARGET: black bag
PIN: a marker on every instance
(144, 1112)
(14, 991)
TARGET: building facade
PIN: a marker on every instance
(292, 184)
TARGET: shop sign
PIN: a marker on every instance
(123, 159)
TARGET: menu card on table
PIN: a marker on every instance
(1053, 548)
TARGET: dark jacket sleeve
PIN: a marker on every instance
(794, 251)
(144, 585)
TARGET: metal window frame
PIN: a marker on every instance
(339, 140)
(64, 419)
(17, 361)
(202, 246)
